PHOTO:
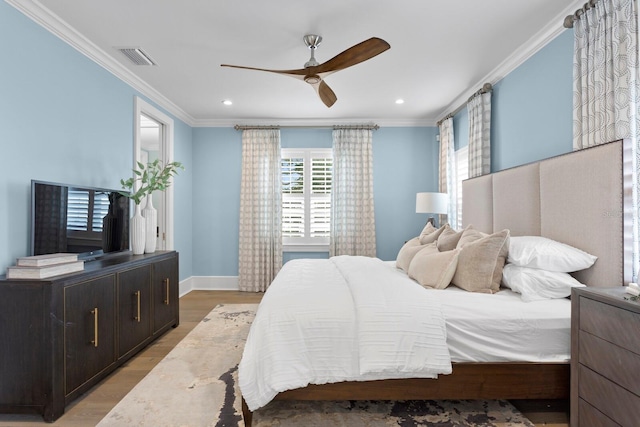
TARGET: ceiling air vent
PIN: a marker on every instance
(137, 56)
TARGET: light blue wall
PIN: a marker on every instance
(63, 118)
(531, 109)
(405, 162)
(217, 159)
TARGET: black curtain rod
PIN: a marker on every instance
(486, 88)
(569, 20)
(369, 126)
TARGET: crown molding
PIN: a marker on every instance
(520, 56)
(382, 122)
(44, 17)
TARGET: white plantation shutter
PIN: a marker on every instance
(292, 196)
(306, 196)
(320, 198)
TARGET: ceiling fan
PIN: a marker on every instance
(314, 72)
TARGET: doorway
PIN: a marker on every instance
(153, 139)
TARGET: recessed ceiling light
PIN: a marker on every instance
(399, 101)
(227, 102)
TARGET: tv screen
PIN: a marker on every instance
(87, 221)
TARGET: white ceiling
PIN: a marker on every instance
(441, 52)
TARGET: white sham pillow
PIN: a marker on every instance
(534, 284)
(547, 254)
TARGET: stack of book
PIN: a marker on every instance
(45, 266)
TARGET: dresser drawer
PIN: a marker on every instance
(591, 417)
(611, 399)
(610, 323)
(610, 361)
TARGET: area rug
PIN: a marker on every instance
(196, 385)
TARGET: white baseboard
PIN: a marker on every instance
(208, 283)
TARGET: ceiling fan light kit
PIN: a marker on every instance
(314, 73)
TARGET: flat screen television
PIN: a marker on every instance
(87, 221)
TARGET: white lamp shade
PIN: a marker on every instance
(435, 203)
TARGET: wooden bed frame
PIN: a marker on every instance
(584, 212)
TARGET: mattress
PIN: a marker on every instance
(501, 327)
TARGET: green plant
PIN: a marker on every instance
(151, 177)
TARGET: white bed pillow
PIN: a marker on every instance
(534, 284)
(546, 254)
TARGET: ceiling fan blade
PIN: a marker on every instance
(354, 55)
(302, 72)
(327, 95)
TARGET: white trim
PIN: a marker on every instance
(305, 248)
(209, 283)
(166, 149)
(382, 122)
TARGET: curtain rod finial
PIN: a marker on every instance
(568, 21)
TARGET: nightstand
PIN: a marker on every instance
(605, 358)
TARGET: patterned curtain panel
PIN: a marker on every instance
(479, 108)
(260, 246)
(353, 229)
(605, 67)
(606, 86)
(447, 178)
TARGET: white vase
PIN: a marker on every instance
(150, 215)
(138, 232)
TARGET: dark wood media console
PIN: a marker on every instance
(60, 336)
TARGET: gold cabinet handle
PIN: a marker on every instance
(94, 341)
(137, 295)
(166, 284)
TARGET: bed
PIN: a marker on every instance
(578, 199)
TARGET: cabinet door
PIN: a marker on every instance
(134, 308)
(165, 294)
(89, 319)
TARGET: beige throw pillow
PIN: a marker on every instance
(428, 229)
(407, 252)
(480, 263)
(469, 235)
(433, 269)
(430, 235)
(448, 239)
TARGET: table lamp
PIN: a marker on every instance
(433, 203)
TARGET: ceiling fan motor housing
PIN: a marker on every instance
(312, 79)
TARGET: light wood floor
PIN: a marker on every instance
(91, 407)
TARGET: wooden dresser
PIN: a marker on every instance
(62, 335)
(605, 358)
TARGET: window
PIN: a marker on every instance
(462, 173)
(306, 197)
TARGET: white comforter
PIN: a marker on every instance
(341, 319)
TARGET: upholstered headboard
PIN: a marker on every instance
(577, 198)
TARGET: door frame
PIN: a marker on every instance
(166, 154)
